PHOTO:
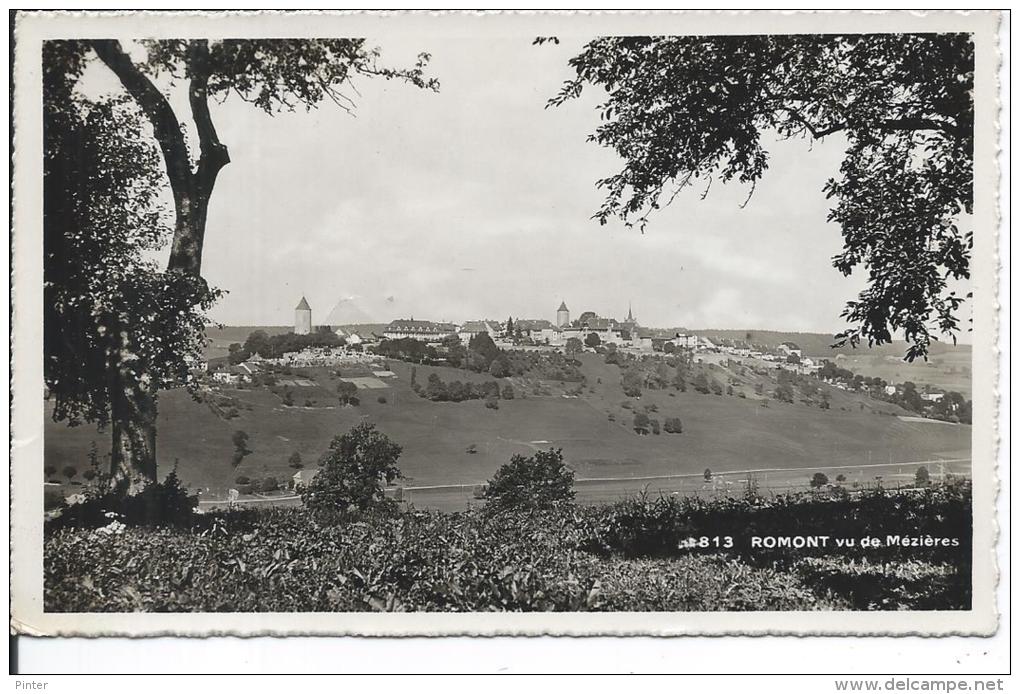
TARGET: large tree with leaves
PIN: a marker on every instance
(683, 108)
(124, 377)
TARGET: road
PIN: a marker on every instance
(609, 489)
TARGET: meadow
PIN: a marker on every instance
(724, 433)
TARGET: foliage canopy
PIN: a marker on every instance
(686, 108)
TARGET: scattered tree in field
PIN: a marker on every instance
(49, 471)
(708, 475)
(592, 340)
(641, 423)
(841, 478)
(152, 320)
(573, 346)
(240, 440)
(499, 368)
(819, 480)
(654, 425)
(673, 425)
(492, 404)
(70, 472)
(507, 393)
(355, 469)
(535, 482)
(680, 109)
(347, 393)
(269, 484)
(90, 474)
(381, 400)
(295, 461)
(700, 384)
(783, 392)
(632, 382)
(922, 477)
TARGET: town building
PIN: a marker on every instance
(303, 318)
(789, 348)
(472, 328)
(424, 330)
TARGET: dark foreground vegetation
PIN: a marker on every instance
(529, 548)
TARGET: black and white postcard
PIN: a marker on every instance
(497, 323)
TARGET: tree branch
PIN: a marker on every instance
(213, 154)
(157, 109)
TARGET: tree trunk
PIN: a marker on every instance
(132, 419)
(133, 395)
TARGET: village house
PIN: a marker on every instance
(424, 330)
(788, 348)
(472, 328)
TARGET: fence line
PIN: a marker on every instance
(405, 493)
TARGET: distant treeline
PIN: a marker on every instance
(819, 344)
(953, 407)
(438, 390)
(274, 346)
(481, 355)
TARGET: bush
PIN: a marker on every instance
(472, 449)
(508, 392)
(641, 423)
(492, 404)
(673, 425)
(242, 479)
(269, 484)
(381, 399)
(922, 477)
(622, 557)
(536, 482)
(158, 503)
(655, 426)
(354, 470)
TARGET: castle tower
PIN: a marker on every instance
(303, 318)
(631, 320)
(562, 315)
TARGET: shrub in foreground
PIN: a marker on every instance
(539, 481)
(354, 472)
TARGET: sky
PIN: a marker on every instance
(476, 202)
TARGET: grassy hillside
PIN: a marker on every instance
(723, 433)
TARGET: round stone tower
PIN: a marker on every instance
(562, 315)
(303, 318)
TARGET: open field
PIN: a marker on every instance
(722, 433)
(950, 370)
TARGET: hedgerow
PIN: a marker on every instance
(625, 556)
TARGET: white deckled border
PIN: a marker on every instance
(27, 373)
